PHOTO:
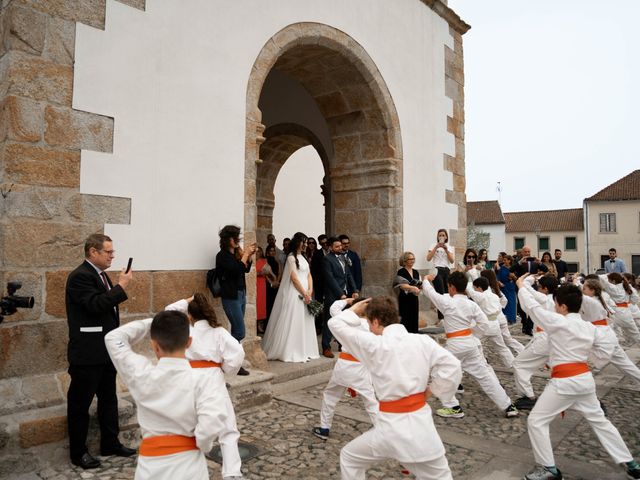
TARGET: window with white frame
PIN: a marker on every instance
(607, 223)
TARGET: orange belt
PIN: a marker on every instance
(601, 322)
(407, 404)
(565, 370)
(459, 333)
(538, 330)
(348, 356)
(166, 445)
(623, 304)
(204, 364)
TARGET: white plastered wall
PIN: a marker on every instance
(174, 78)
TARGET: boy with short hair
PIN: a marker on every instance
(180, 409)
(460, 316)
(571, 342)
(405, 369)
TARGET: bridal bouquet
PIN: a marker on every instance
(314, 306)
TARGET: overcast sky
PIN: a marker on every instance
(552, 99)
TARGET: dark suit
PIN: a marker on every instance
(337, 282)
(520, 269)
(92, 312)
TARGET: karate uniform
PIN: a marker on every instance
(217, 345)
(634, 308)
(622, 316)
(401, 364)
(461, 314)
(347, 374)
(571, 340)
(172, 399)
(489, 303)
(536, 352)
(593, 311)
(509, 341)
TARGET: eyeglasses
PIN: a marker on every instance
(471, 256)
(110, 253)
(410, 258)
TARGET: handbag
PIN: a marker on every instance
(213, 283)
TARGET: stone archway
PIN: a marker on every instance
(363, 190)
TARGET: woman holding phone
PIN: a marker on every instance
(442, 256)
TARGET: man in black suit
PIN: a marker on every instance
(561, 265)
(337, 282)
(92, 312)
(527, 264)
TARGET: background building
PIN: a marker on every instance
(485, 219)
(612, 219)
(547, 230)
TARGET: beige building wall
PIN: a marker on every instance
(556, 240)
(625, 239)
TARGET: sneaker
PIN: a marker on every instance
(453, 412)
(633, 471)
(525, 403)
(319, 432)
(511, 411)
(542, 473)
(243, 371)
(460, 390)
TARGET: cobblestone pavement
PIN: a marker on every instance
(483, 445)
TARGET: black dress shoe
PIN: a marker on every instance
(119, 451)
(243, 371)
(86, 461)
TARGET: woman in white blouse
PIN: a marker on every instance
(441, 254)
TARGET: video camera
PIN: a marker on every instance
(11, 303)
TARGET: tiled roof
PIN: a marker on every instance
(627, 188)
(484, 213)
(544, 221)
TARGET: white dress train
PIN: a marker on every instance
(291, 333)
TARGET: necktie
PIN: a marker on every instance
(104, 281)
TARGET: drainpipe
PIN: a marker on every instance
(586, 233)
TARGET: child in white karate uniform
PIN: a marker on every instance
(634, 298)
(596, 310)
(350, 373)
(181, 410)
(214, 349)
(622, 294)
(571, 342)
(460, 316)
(509, 341)
(536, 352)
(489, 303)
(405, 369)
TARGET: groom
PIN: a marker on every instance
(337, 282)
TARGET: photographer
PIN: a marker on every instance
(442, 256)
(409, 286)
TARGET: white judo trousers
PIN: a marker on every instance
(509, 341)
(347, 374)
(571, 342)
(529, 361)
(401, 365)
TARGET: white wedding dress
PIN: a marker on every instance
(291, 332)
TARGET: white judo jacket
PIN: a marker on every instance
(172, 399)
(401, 364)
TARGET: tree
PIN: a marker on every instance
(477, 238)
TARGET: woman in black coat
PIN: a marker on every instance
(408, 292)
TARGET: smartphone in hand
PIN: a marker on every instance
(129, 265)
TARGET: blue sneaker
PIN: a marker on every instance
(319, 432)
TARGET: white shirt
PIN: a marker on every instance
(440, 258)
(401, 364)
(212, 344)
(172, 399)
(459, 313)
(489, 303)
(571, 340)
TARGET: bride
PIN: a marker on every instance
(291, 331)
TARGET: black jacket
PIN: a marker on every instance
(336, 281)
(231, 273)
(529, 267)
(92, 312)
